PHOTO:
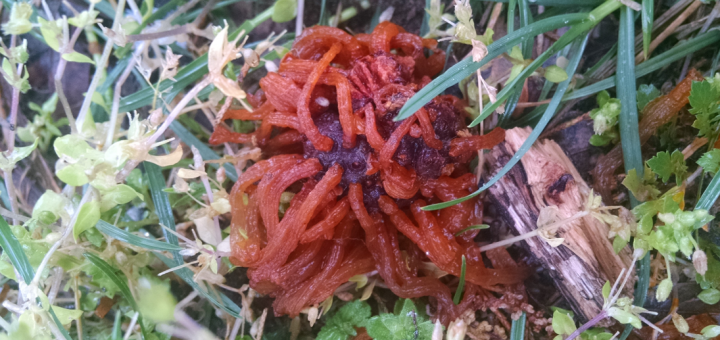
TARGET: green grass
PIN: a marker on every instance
(110, 272)
(129, 238)
(578, 48)
(164, 212)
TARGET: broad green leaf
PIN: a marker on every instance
(88, 217)
(710, 296)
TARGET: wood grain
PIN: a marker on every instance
(545, 176)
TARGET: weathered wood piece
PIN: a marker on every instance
(545, 177)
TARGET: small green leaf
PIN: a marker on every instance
(624, 317)
(51, 32)
(77, 57)
(562, 323)
(710, 161)
(606, 290)
(284, 10)
(73, 175)
(155, 302)
(19, 22)
(663, 290)
(664, 164)
(66, 316)
(645, 94)
(711, 331)
(638, 187)
(49, 207)
(710, 296)
(342, 324)
(119, 194)
(555, 74)
(88, 217)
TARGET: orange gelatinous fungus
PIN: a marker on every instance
(342, 185)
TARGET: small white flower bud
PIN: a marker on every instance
(700, 260)
(156, 117)
(220, 175)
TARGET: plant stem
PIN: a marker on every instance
(116, 102)
(147, 144)
(10, 140)
(59, 71)
(65, 234)
(602, 315)
(100, 67)
(534, 233)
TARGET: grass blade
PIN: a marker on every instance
(12, 248)
(626, 92)
(127, 237)
(674, 54)
(710, 195)
(207, 154)
(579, 48)
(472, 227)
(563, 3)
(461, 284)
(679, 51)
(424, 27)
(323, 16)
(527, 46)
(466, 67)
(517, 331)
(577, 30)
(122, 285)
(164, 212)
(58, 324)
(648, 11)
(116, 331)
(629, 130)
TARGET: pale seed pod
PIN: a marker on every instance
(700, 261)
